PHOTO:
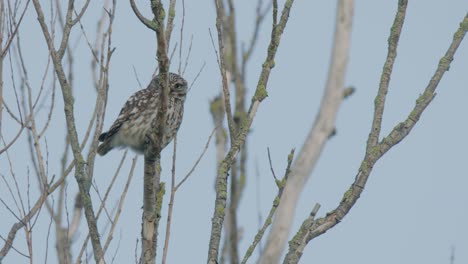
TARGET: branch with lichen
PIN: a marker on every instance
(298, 243)
(280, 184)
(323, 127)
(152, 196)
(80, 170)
(235, 74)
(375, 148)
(222, 174)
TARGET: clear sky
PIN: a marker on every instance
(415, 205)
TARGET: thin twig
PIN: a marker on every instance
(170, 21)
(271, 165)
(181, 38)
(319, 134)
(224, 167)
(398, 133)
(197, 161)
(188, 55)
(281, 184)
(102, 205)
(119, 207)
(222, 68)
(80, 171)
(198, 75)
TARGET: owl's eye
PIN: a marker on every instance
(178, 86)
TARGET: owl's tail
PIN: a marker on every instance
(105, 146)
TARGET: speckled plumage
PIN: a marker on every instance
(139, 114)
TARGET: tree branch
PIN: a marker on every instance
(399, 132)
(80, 172)
(260, 94)
(281, 184)
(153, 194)
(386, 73)
(148, 23)
(318, 135)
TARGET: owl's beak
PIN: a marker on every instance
(179, 93)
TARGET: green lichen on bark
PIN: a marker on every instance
(261, 93)
(462, 29)
(220, 209)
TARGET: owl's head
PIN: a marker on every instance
(177, 85)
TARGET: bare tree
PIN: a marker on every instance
(29, 109)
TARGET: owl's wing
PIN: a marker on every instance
(134, 105)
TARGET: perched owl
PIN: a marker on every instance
(139, 114)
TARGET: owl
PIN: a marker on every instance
(138, 116)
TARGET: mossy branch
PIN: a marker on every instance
(281, 184)
(222, 174)
(80, 170)
(398, 133)
(379, 101)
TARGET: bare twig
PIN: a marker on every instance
(398, 133)
(222, 68)
(198, 75)
(271, 165)
(136, 77)
(119, 207)
(260, 95)
(261, 14)
(81, 13)
(12, 35)
(197, 161)
(80, 172)
(174, 189)
(181, 38)
(170, 21)
(188, 55)
(103, 203)
(318, 135)
(281, 184)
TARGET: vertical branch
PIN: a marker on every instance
(224, 167)
(170, 21)
(318, 135)
(386, 73)
(171, 203)
(80, 171)
(222, 68)
(281, 184)
(152, 196)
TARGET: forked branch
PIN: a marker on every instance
(375, 150)
(224, 167)
(323, 126)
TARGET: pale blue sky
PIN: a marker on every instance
(414, 207)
